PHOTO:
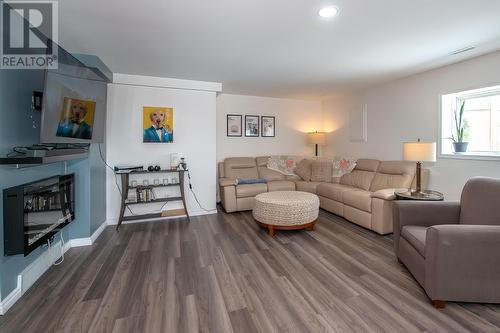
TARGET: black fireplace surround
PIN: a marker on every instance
(34, 212)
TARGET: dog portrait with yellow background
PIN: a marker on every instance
(158, 124)
(77, 118)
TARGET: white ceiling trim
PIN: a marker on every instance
(164, 82)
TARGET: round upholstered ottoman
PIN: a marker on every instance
(286, 210)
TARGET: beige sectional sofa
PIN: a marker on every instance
(363, 196)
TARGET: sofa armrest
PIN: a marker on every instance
(227, 182)
(228, 198)
(422, 213)
(227, 192)
(462, 262)
(387, 193)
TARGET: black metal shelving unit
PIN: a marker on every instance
(125, 187)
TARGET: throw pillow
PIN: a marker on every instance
(343, 165)
(321, 171)
(284, 164)
(303, 169)
(242, 181)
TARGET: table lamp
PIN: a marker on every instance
(419, 152)
(316, 138)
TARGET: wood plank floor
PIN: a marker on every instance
(221, 273)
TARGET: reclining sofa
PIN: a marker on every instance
(363, 196)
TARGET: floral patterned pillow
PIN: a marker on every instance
(343, 165)
(284, 164)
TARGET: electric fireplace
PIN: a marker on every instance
(34, 212)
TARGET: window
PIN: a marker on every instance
(480, 122)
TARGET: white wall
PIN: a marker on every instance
(194, 138)
(408, 109)
(293, 119)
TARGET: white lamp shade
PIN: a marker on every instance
(316, 138)
(419, 151)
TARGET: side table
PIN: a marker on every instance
(426, 195)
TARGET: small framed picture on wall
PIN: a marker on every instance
(234, 125)
(268, 124)
(251, 125)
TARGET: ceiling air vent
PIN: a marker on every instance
(462, 50)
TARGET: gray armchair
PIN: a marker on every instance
(453, 249)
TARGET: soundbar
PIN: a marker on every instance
(127, 168)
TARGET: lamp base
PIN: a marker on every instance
(418, 194)
(419, 178)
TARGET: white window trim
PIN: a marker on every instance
(490, 90)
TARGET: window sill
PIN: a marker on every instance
(478, 156)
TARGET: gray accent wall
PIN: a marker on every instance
(97, 194)
(20, 126)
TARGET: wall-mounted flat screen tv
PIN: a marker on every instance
(74, 106)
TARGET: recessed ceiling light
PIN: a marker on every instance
(328, 12)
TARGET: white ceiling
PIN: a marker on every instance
(279, 48)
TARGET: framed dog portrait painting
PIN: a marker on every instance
(251, 125)
(234, 125)
(268, 124)
(158, 124)
(77, 119)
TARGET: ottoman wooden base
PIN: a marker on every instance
(272, 227)
(286, 210)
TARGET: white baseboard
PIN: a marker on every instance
(98, 231)
(114, 220)
(11, 298)
(203, 212)
(30, 274)
(35, 270)
(77, 242)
